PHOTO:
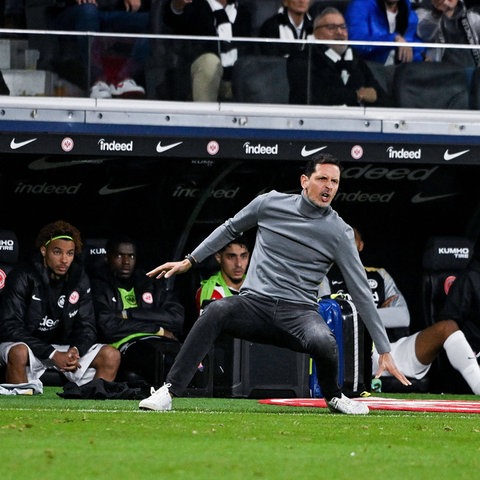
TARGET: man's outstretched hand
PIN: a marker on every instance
(386, 363)
(169, 269)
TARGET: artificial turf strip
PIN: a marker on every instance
(47, 437)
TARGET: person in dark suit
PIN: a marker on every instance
(336, 75)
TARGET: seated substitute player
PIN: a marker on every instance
(233, 261)
(385, 292)
(137, 314)
(47, 317)
(415, 353)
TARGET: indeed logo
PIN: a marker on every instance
(114, 146)
(47, 324)
(47, 188)
(6, 245)
(363, 197)
(371, 172)
(260, 149)
(402, 153)
(455, 251)
(186, 192)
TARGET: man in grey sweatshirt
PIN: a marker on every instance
(298, 238)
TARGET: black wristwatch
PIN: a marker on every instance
(191, 259)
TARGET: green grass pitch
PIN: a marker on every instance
(47, 437)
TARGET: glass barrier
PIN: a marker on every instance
(245, 70)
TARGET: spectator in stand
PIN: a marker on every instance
(211, 63)
(415, 353)
(332, 74)
(292, 22)
(449, 21)
(233, 261)
(135, 313)
(14, 14)
(47, 317)
(116, 64)
(384, 21)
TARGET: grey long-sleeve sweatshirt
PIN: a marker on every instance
(296, 243)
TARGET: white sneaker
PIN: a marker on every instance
(127, 88)
(100, 90)
(158, 400)
(347, 405)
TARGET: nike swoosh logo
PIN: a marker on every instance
(34, 297)
(106, 190)
(307, 153)
(163, 148)
(420, 198)
(43, 163)
(15, 145)
(450, 156)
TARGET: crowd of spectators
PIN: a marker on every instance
(118, 67)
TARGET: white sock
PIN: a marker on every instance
(462, 358)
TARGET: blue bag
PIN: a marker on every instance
(331, 312)
(342, 318)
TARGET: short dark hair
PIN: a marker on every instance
(320, 159)
(59, 229)
(113, 242)
(243, 242)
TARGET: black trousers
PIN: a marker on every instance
(263, 320)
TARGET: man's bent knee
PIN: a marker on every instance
(447, 327)
(18, 355)
(109, 356)
(206, 73)
(322, 346)
(207, 64)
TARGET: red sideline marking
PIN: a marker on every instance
(376, 403)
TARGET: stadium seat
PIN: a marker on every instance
(260, 79)
(383, 74)
(94, 254)
(9, 251)
(444, 258)
(260, 11)
(432, 85)
(57, 54)
(475, 94)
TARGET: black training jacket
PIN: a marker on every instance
(28, 312)
(157, 307)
